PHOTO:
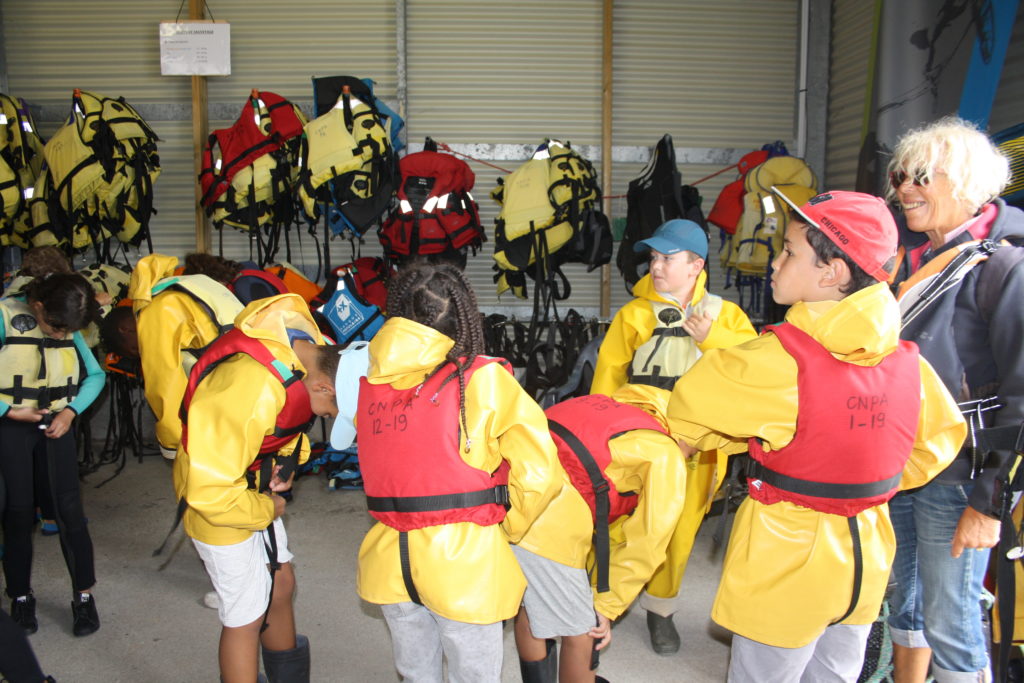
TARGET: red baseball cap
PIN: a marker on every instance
(859, 224)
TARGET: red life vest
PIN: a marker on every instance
(295, 417)
(413, 472)
(435, 211)
(856, 427)
(581, 429)
(245, 141)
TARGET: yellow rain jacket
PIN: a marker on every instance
(633, 326)
(463, 571)
(789, 570)
(233, 408)
(644, 461)
(170, 324)
(635, 322)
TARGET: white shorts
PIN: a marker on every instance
(240, 575)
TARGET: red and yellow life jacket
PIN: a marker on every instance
(855, 430)
(581, 429)
(296, 416)
(413, 472)
(267, 121)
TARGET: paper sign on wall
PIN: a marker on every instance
(195, 48)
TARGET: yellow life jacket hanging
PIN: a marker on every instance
(348, 161)
(97, 179)
(542, 206)
(21, 159)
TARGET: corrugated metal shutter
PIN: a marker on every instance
(717, 76)
(53, 46)
(852, 22)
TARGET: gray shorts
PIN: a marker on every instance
(558, 598)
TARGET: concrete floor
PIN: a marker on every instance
(154, 627)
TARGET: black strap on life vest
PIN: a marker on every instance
(445, 501)
(42, 343)
(43, 396)
(820, 489)
(1009, 482)
(858, 568)
(403, 554)
(601, 503)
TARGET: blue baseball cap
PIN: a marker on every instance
(675, 236)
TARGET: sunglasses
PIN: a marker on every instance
(897, 178)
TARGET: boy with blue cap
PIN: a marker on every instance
(652, 341)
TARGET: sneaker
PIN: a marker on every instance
(23, 611)
(212, 600)
(48, 527)
(84, 616)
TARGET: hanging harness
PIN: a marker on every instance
(434, 213)
(410, 455)
(581, 429)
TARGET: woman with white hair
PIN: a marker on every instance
(945, 178)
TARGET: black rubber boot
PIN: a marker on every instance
(664, 636)
(288, 666)
(544, 671)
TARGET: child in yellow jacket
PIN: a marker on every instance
(653, 340)
(617, 508)
(838, 416)
(456, 461)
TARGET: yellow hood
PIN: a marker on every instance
(413, 350)
(147, 272)
(863, 328)
(644, 289)
(270, 319)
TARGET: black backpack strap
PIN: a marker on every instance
(992, 277)
(602, 505)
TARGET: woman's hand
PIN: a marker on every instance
(975, 531)
(61, 424)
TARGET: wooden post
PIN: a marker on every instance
(200, 132)
(606, 147)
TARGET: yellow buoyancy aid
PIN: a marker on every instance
(21, 158)
(346, 145)
(670, 351)
(97, 181)
(36, 371)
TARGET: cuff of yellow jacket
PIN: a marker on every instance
(168, 453)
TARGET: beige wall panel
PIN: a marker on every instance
(852, 22)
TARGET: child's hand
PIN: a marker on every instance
(27, 414)
(698, 326)
(602, 633)
(61, 424)
(277, 484)
(279, 504)
(104, 299)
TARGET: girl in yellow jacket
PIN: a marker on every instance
(812, 546)
(439, 425)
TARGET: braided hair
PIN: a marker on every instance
(438, 295)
